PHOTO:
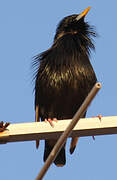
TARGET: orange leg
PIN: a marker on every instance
(51, 121)
(100, 117)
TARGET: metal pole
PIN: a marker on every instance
(68, 130)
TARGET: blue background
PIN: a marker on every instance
(26, 29)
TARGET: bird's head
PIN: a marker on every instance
(73, 24)
(76, 26)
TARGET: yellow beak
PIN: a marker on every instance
(83, 13)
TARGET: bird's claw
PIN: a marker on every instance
(3, 126)
(100, 117)
(51, 121)
(93, 138)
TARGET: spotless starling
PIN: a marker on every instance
(64, 76)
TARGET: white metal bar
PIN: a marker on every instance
(41, 130)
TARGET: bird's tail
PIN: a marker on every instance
(60, 160)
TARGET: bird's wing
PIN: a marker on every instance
(73, 144)
(37, 119)
(74, 140)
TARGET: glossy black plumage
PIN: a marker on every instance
(64, 75)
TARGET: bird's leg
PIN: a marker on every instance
(99, 116)
(3, 126)
(51, 121)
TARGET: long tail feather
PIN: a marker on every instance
(60, 160)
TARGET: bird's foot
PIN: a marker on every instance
(51, 121)
(100, 117)
(93, 138)
(3, 126)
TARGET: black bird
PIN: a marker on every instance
(64, 76)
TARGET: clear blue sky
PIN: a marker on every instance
(26, 29)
